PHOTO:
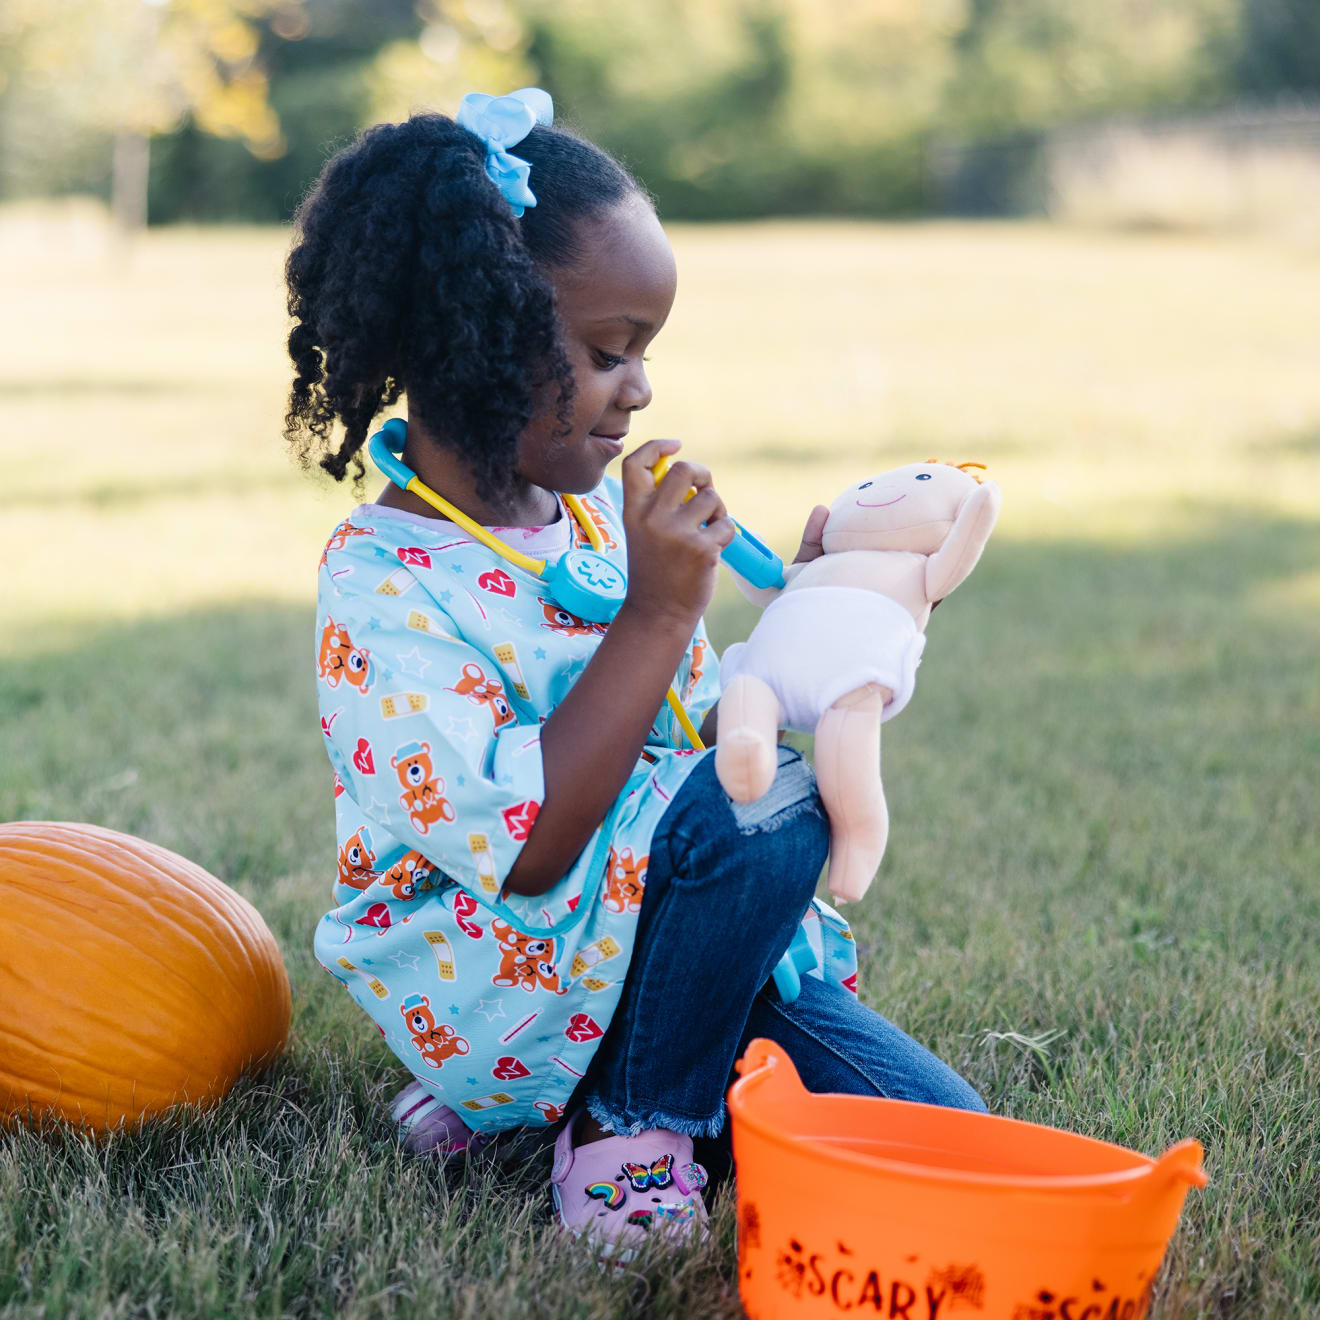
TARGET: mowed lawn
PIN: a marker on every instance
(1102, 895)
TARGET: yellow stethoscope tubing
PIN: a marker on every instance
(536, 567)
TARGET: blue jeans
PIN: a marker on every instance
(726, 887)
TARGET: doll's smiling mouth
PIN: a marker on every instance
(863, 504)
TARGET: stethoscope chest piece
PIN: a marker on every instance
(587, 584)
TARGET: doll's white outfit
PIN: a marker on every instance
(813, 645)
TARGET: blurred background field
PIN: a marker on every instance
(1100, 899)
(1102, 896)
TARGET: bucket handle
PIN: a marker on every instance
(1182, 1162)
(761, 1060)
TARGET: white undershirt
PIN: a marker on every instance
(548, 542)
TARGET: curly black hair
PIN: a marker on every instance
(410, 273)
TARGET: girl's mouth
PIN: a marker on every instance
(883, 505)
(614, 443)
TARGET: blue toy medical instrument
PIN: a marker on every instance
(745, 555)
(799, 957)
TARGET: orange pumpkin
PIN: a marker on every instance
(130, 979)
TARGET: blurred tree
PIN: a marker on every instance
(1279, 46)
(134, 68)
(464, 46)
(754, 107)
(725, 108)
(318, 57)
(1027, 64)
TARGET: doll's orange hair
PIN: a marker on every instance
(962, 467)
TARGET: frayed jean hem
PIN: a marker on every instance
(622, 1126)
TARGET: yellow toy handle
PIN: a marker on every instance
(659, 470)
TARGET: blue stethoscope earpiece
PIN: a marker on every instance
(385, 448)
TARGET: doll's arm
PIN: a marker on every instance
(954, 560)
(763, 596)
(809, 549)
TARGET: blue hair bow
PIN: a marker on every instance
(502, 122)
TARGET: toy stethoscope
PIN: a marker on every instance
(584, 582)
(589, 585)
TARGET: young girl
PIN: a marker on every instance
(544, 899)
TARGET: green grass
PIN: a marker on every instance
(1100, 900)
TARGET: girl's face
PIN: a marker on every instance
(612, 302)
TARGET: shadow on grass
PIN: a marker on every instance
(139, 492)
(1107, 744)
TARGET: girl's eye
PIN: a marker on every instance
(923, 476)
(608, 361)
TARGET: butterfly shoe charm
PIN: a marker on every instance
(618, 1202)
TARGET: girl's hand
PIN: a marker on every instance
(673, 544)
(811, 547)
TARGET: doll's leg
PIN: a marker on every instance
(746, 752)
(848, 771)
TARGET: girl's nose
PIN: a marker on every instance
(635, 390)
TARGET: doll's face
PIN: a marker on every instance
(908, 508)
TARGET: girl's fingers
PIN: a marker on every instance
(721, 530)
(676, 483)
(704, 507)
(637, 479)
(811, 547)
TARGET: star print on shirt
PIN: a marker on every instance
(461, 728)
(539, 653)
(444, 597)
(489, 1015)
(404, 961)
(412, 664)
(377, 811)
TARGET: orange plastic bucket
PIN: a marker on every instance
(883, 1207)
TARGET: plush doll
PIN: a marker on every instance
(837, 648)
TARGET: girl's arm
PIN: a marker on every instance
(592, 739)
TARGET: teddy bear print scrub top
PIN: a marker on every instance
(437, 662)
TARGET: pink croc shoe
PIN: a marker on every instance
(619, 1191)
(426, 1126)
